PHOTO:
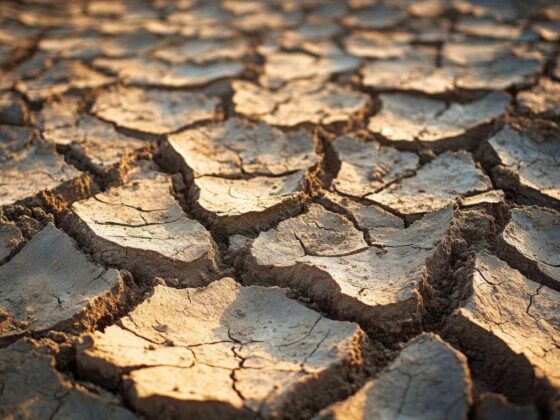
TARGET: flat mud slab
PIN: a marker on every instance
(91, 143)
(526, 162)
(465, 64)
(33, 388)
(509, 321)
(51, 285)
(224, 350)
(434, 185)
(10, 239)
(367, 167)
(300, 102)
(138, 109)
(414, 386)
(531, 243)
(148, 71)
(243, 176)
(323, 256)
(230, 209)
(60, 78)
(410, 121)
(31, 166)
(141, 227)
(542, 100)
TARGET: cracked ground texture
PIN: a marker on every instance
(280, 209)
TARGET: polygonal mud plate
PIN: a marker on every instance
(527, 161)
(32, 388)
(413, 386)
(244, 175)
(36, 169)
(413, 121)
(152, 72)
(95, 143)
(531, 243)
(367, 166)
(50, 284)
(224, 350)
(140, 226)
(154, 111)
(543, 99)
(237, 147)
(237, 205)
(299, 102)
(323, 256)
(435, 185)
(60, 78)
(510, 329)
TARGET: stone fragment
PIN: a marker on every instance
(35, 169)
(33, 388)
(320, 254)
(509, 329)
(300, 102)
(367, 166)
(527, 162)
(140, 227)
(152, 72)
(236, 147)
(13, 109)
(531, 243)
(50, 285)
(542, 100)
(413, 386)
(416, 121)
(60, 78)
(154, 111)
(224, 351)
(94, 142)
(437, 184)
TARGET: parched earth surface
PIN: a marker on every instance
(312, 209)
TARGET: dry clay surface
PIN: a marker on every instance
(273, 209)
